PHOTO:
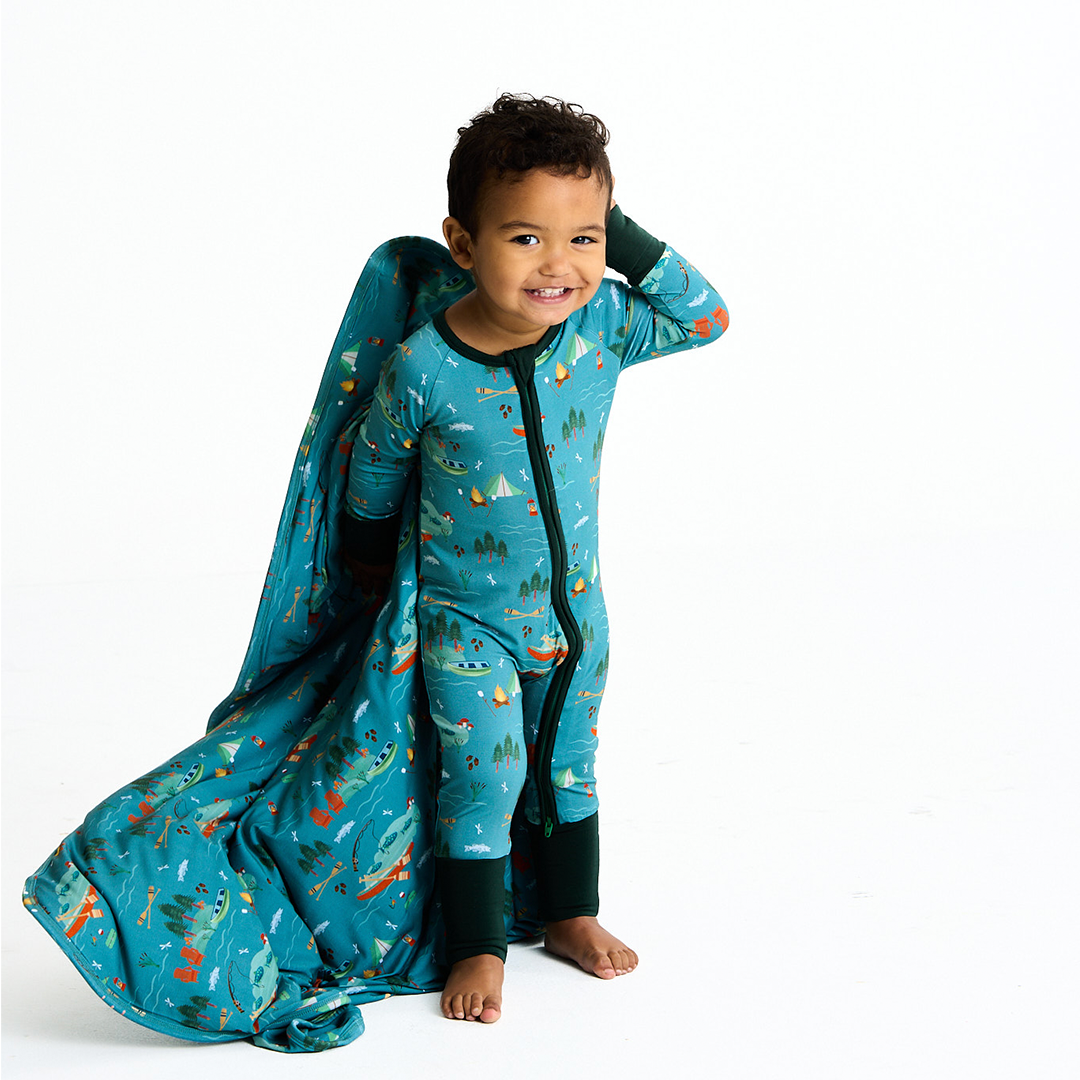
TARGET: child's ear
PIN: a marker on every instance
(459, 242)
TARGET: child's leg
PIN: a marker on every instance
(473, 898)
(567, 869)
(567, 864)
(483, 767)
(568, 860)
(472, 894)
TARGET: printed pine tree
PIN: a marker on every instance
(602, 666)
(492, 547)
(264, 856)
(575, 422)
(441, 627)
(95, 847)
(310, 857)
(192, 1011)
(535, 583)
(454, 633)
(176, 912)
(145, 784)
(341, 749)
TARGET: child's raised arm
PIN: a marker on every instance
(670, 306)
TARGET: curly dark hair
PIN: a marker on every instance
(518, 133)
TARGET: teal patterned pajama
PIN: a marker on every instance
(278, 873)
(512, 625)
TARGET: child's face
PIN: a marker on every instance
(538, 253)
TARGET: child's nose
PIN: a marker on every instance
(555, 264)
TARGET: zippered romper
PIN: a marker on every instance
(511, 619)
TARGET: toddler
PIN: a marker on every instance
(501, 403)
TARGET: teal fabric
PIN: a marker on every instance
(276, 874)
(511, 620)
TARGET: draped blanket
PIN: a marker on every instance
(271, 877)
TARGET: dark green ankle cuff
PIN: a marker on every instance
(567, 869)
(473, 897)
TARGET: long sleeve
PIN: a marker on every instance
(669, 306)
(387, 444)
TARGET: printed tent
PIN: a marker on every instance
(498, 486)
(277, 873)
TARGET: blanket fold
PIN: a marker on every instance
(277, 873)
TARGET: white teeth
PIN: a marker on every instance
(549, 292)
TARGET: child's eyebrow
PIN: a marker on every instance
(515, 225)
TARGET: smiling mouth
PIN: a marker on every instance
(550, 294)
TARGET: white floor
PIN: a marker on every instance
(839, 822)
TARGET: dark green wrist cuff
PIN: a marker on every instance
(371, 540)
(473, 897)
(567, 869)
(630, 249)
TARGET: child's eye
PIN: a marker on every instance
(525, 240)
(584, 240)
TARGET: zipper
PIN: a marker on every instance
(563, 675)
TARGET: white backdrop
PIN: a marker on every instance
(845, 614)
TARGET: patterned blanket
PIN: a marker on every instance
(271, 877)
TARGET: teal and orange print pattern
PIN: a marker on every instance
(275, 875)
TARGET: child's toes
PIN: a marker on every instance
(622, 961)
(603, 966)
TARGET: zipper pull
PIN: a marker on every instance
(548, 826)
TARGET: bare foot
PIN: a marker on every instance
(590, 946)
(473, 990)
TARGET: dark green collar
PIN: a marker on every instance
(526, 352)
